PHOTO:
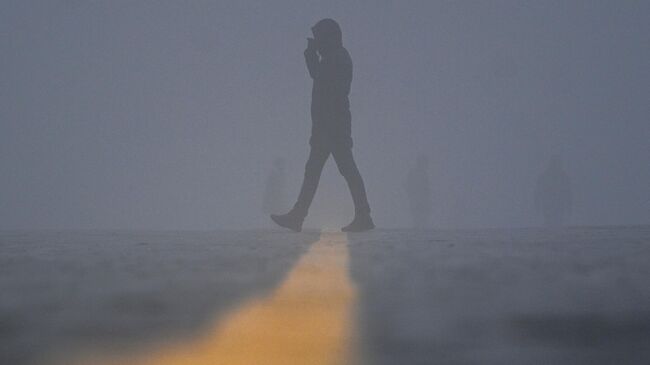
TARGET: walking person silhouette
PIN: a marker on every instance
(330, 66)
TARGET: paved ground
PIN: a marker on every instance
(572, 296)
(567, 296)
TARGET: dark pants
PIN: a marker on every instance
(347, 168)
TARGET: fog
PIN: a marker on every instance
(170, 114)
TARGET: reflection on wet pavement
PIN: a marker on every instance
(306, 320)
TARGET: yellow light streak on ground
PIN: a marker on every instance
(308, 320)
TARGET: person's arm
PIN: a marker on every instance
(311, 59)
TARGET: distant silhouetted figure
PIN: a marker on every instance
(418, 192)
(275, 189)
(330, 66)
(553, 194)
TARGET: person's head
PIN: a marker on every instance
(327, 34)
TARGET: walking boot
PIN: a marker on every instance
(290, 220)
(360, 223)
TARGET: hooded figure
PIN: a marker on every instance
(553, 196)
(274, 192)
(330, 66)
(418, 192)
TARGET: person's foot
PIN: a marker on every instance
(289, 220)
(360, 223)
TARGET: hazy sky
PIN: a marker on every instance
(168, 114)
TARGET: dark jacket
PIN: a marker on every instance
(330, 106)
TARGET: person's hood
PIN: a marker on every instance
(328, 32)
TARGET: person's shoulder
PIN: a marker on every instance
(342, 56)
(345, 54)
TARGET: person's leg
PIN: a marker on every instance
(348, 168)
(313, 170)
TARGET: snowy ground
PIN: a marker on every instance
(566, 296)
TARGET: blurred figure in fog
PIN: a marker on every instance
(418, 193)
(330, 67)
(274, 192)
(553, 194)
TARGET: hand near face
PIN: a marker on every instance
(311, 44)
